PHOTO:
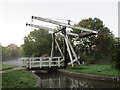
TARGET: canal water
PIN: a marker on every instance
(58, 80)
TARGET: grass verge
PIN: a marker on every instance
(18, 79)
(104, 70)
(6, 67)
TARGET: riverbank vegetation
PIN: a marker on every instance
(18, 79)
(95, 69)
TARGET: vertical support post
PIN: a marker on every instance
(65, 48)
(50, 61)
(30, 63)
(58, 62)
(33, 61)
(68, 48)
(40, 62)
(53, 44)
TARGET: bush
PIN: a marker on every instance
(88, 59)
(116, 55)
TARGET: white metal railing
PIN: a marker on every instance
(41, 61)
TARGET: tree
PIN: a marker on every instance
(5, 53)
(37, 43)
(14, 50)
(116, 54)
(96, 46)
(10, 51)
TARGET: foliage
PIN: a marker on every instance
(18, 79)
(88, 59)
(5, 53)
(96, 46)
(14, 50)
(10, 51)
(37, 43)
(116, 54)
(95, 69)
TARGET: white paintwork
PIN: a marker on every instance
(59, 48)
(41, 27)
(74, 54)
(63, 24)
(69, 52)
(42, 61)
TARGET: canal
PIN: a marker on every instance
(58, 80)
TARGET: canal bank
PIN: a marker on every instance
(90, 76)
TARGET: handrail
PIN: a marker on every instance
(42, 61)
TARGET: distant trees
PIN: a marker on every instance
(95, 48)
(37, 43)
(10, 51)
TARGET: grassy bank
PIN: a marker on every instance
(104, 70)
(18, 79)
(5, 67)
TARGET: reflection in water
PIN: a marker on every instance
(57, 80)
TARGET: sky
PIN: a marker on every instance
(15, 14)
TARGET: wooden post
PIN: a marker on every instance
(40, 62)
(65, 48)
(58, 62)
(30, 63)
(27, 63)
(33, 61)
(53, 44)
(50, 61)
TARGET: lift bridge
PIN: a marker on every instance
(61, 61)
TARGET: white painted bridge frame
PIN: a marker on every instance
(42, 62)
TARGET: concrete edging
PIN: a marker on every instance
(38, 79)
(96, 77)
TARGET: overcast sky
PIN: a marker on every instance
(14, 15)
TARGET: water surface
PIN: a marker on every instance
(58, 80)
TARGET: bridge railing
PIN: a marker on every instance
(41, 61)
